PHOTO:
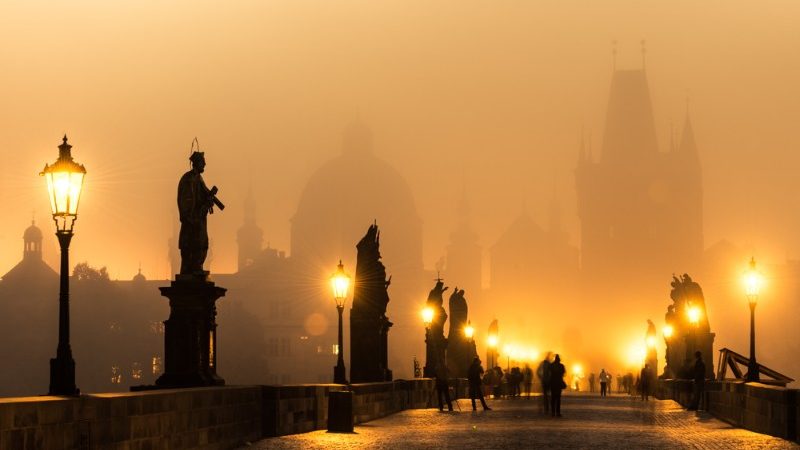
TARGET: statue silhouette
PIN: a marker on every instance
(195, 202)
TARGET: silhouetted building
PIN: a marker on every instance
(530, 265)
(347, 192)
(250, 237)
(32, 269)
(640, 209)
(463, 260)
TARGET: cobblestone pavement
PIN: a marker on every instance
(587, 422)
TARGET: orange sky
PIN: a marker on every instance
(494, 93)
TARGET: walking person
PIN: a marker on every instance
(442, 387)
(474, 378)
(604, 382)
(557, 384)
(528, 379)
(699, 375)
(543, 372)
(644, 382)
(497, 382)
(591, 382)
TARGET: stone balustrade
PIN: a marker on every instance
(214, 417)
(758, 407)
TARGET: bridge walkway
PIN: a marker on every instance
(588, 421)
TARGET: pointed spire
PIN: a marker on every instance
(688, 146)
(249, 206)
(614, 55)
(644, 54)
(671, 137)
(463, 205)
(554, 218)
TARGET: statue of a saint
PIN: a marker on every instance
(195, 202)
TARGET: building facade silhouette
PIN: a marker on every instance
(640, 209)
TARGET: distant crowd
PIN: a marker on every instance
(549, 379)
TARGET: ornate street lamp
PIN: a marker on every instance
(752, 282)
(694, 313)
(340, 283)
(64, 182)
(427, 319)
(492, 342)
(469, 331)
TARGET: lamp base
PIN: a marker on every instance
(339, 374)
(62, 377)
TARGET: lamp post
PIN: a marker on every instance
(667, 332)
(469, 331)
(753, 281)
(427, 319)
(340, 283)
(64, 182)
(491, 342)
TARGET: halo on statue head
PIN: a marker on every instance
(194, 151)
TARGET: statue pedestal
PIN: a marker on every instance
(190, 333)
(682, 359)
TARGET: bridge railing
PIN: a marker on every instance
(758, 407)
(213, 417)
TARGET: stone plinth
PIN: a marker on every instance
(190, 334)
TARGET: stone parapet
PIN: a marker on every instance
(217, 417)
(758, 407)
(209, 417)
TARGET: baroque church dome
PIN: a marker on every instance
(346, 195)
(32, 233)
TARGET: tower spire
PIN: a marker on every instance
(644, 54)
(614, 55)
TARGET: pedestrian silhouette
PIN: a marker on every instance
(557, 384)
(591, 382)
(605, 381)
(497, 382)
(527, 374)
(644, 382)
(475, 389)
(699, 372)
(543, 372)
(442, 387)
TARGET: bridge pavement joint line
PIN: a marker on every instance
(588, 422)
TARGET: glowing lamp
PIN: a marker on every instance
(427, 315)
(694, 314)
(753, 282)
(668, 330)
(64, 183)
(492, 340)
(340, 283)
(577, 370)
(469, 331)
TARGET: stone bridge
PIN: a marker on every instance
(397, 414)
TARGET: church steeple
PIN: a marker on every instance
(688, 146)
(250, 237)
(32, 239)
(464, 253)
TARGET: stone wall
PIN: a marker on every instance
(211, 418)
(303, 408)
(758, 407)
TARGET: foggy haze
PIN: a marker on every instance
(487, 98)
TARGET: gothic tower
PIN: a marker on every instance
(463, 267)
(640, 209)
(249, 238)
